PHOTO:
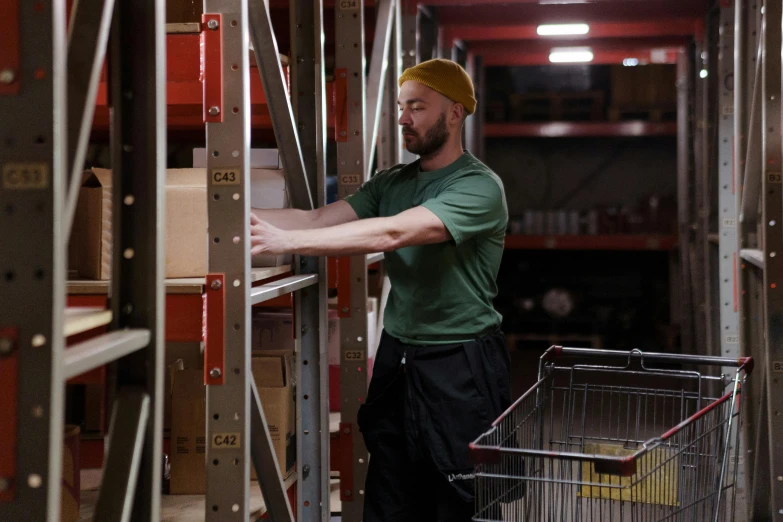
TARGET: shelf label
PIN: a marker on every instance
(226, 441)
(777, 366)
(25, 176)
(729, 222)
(350, 179)
(349, 5)
(774, 177)
(728, 110)
(226, 176)
(732, 339)
(354, 355)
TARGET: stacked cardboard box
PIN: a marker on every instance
(273, 372)
(185, 225)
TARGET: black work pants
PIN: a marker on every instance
(424, 406)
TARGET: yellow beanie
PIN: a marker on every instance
(446, 77)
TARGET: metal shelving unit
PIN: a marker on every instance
(46, 119)
(731, 210)
(41, 174)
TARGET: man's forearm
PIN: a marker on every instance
(288, 218)
(367, 236)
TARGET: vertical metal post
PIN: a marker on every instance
(772, 221)
(377, 76)
(351, 166)
(729, 111)
(727, 187)
(684, 197)
(389, 142)
(138, 169)
(228, 206)
(697, 222)
(481, 110)
(728, 136)
(32, 264)
(308, 101)
(409, 20)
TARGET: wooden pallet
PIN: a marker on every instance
(557, 106)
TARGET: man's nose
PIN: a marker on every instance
(405, 118)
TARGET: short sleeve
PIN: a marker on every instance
(470, 206)
(366, 201)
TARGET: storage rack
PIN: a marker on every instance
(728, 241)
(731, 209)
(137, 291)
(38, 95)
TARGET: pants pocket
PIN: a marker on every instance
(455, 424)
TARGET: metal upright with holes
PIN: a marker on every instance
(32, 260)
(43, 151)
(352, 169)
(227, 367)
(234, 411)
(309, 109)
(759, 205)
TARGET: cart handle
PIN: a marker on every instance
(555, 352)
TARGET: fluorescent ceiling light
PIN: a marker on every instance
(631, 62)
(571, 55)
(703, 73)
(562, 29)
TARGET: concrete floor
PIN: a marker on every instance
(180, 508)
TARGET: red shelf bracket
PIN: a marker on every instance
(215, 330)
(10, 64)
(212, 66)
(9, 394)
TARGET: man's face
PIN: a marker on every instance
(423, 118)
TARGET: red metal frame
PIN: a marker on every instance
(563, 129)
(9, 45)
(345, 455)
(343, 287)
(215, 329)
(9, 390)
(185, 91)
(340, 104)
(620, 29)
(212, 67)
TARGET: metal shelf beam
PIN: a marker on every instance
(96, 352)
(269, 291)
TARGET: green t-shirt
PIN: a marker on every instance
(442, 293)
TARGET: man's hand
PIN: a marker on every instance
(266, 239)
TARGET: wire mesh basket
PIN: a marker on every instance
(592, 441)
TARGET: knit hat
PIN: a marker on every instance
(446, 77)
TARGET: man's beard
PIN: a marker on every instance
(433, 140)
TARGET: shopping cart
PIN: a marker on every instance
(631, 436)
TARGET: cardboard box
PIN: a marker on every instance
(273, 373)
(274, 376)
(186, 221)
(192, 357)
(188, 431)
(186, 224)
(273, 330)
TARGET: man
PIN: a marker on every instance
(441, 374)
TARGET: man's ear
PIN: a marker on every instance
(457, 114)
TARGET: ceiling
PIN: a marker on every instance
(504, 32)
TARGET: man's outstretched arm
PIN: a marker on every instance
(417, 226)
(294, 219)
